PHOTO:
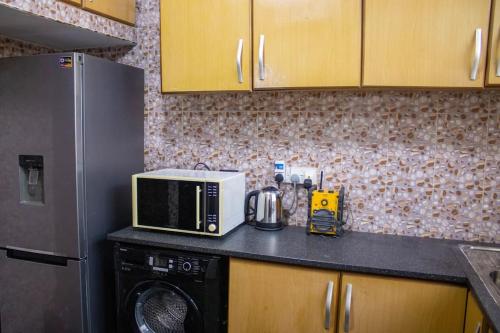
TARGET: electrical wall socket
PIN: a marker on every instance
(303, 173)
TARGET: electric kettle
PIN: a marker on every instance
(267, 209)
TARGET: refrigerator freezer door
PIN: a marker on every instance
(39, 130)
(40, 297)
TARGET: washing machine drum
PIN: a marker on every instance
(164, 308)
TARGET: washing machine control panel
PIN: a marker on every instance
(176, 265)
(163, 263)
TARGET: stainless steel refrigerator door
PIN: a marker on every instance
(40, 297)
(114, 150)
(40, 112)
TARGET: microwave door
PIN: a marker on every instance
(171, 204)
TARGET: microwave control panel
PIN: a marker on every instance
(212, 210)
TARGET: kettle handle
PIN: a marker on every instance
(252, 213)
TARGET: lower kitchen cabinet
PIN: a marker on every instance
(266, 297)
(475, 321)
(474, 317)
(393, 305)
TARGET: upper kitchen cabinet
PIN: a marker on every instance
(493, 77)
(392, 305)
(205, 45)
(425, 43)
(306, 43)
(121, 10)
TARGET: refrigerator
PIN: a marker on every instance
(71, 136)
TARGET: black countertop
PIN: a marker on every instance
(411, 257)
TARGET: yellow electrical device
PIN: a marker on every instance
(326, 212)
(324, 200)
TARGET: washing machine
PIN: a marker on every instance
(163, 291)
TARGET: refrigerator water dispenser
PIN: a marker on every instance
(31, 179)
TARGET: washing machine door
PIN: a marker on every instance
(160, 307)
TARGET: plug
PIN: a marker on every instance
(295, 179)
(308, 183)
(279, 179)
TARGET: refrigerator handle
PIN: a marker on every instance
(41, 258)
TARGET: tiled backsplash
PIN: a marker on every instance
(414, 163)
(423, 163)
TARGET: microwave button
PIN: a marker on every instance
(212, 227)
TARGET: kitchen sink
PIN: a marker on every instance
(486, 263)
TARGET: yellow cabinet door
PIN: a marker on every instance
(121, 10)
(306, 43)
(393, 305)
(425, 43)
(275, 298)
(205, 45)
(493, 71)
(473, 317)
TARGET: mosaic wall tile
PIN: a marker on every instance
(461, 128)
(365, 167)
(322, 130)
(420, 163)
(408, 210)
(200, 138)
(492, 174)
(459, 173)
(412, 130)
(459, 215)
(493, 128)
(410, 169)
(366, 210)
(238, 143)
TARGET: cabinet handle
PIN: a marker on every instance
(477, 56)
(478, 328)
(198, 220)
(328, 304)
(262, 69)
(348, 297)
(239, 54)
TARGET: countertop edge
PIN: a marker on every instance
(455, 279)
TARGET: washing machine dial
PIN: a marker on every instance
(187, 266)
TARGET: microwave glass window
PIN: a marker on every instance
(170, 204)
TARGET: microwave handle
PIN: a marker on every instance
(198, 202)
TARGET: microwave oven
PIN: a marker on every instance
(188, 201)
